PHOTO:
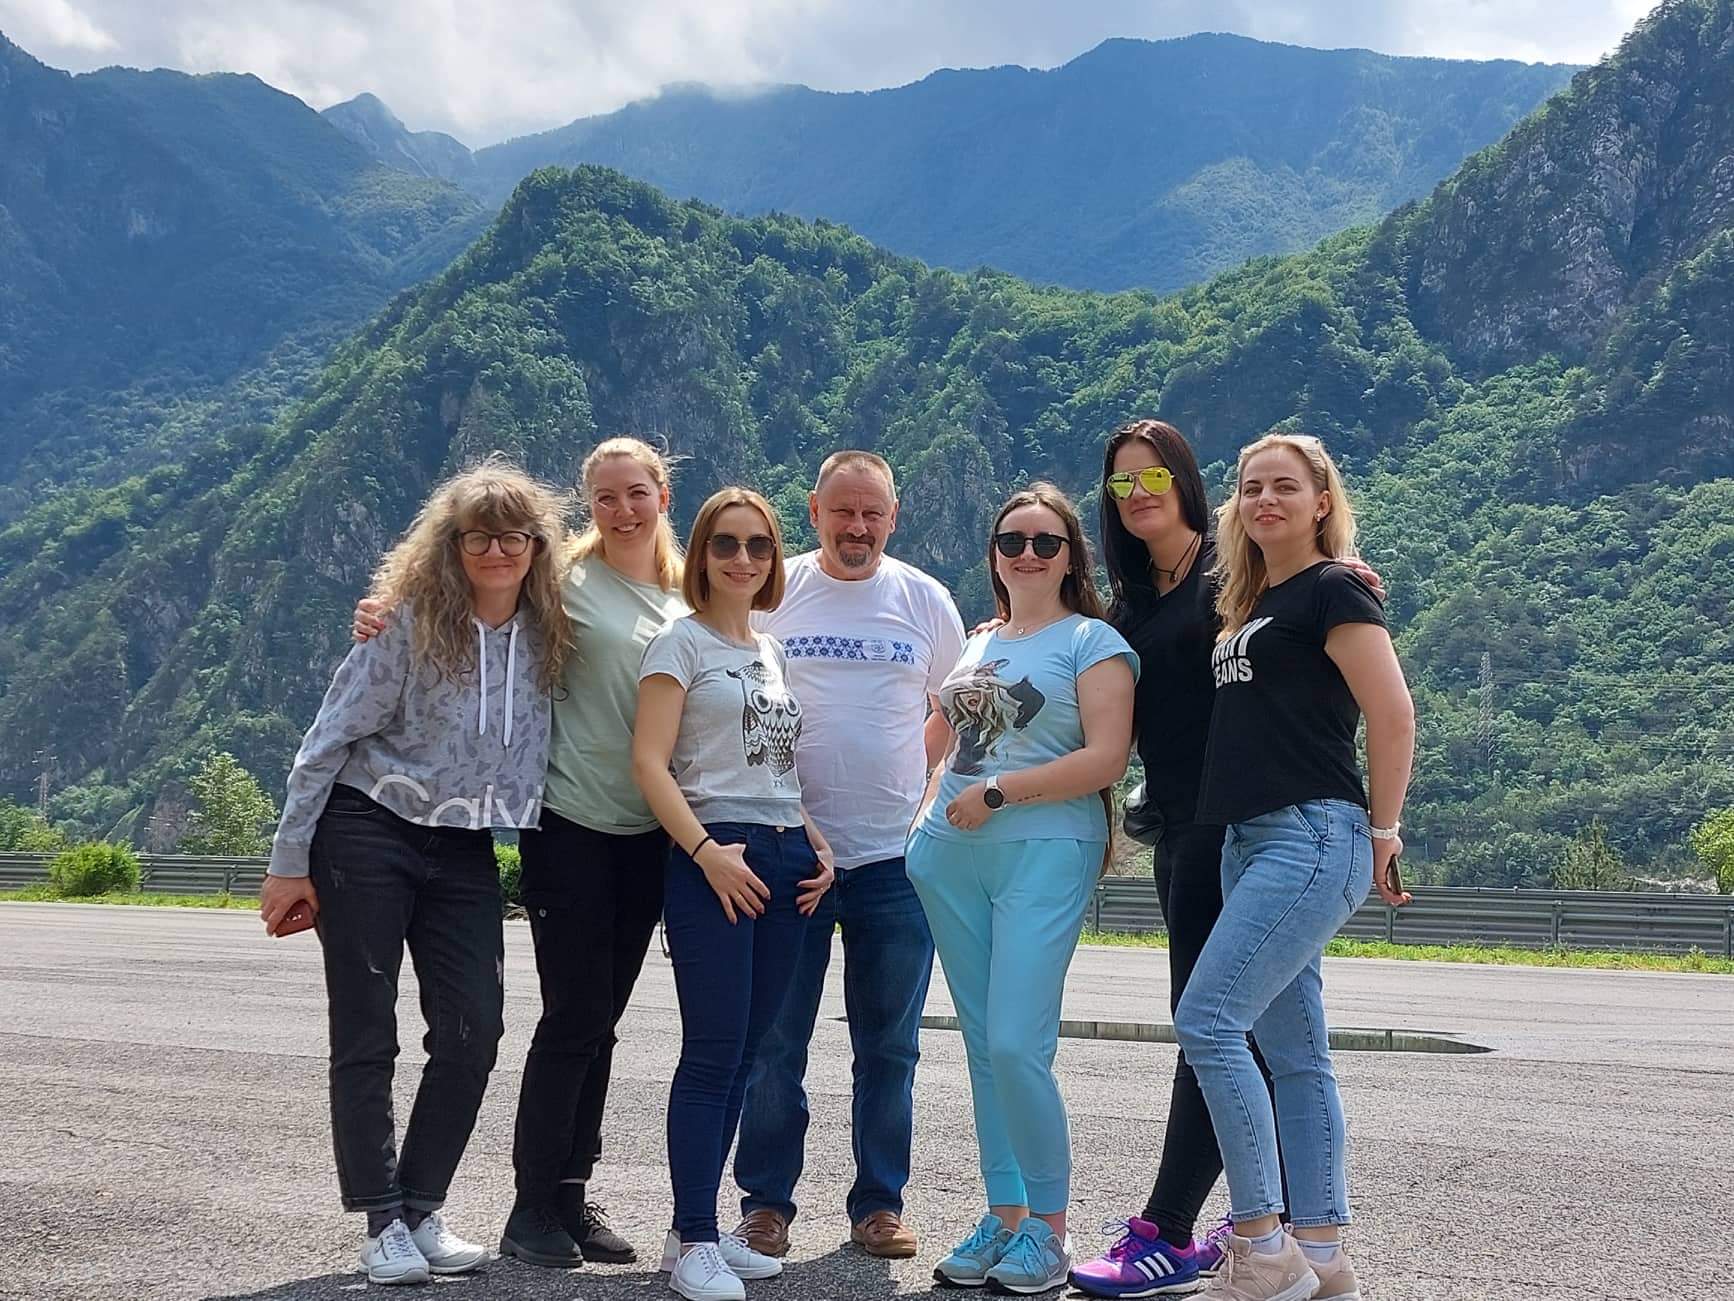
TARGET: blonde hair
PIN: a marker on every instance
(426, 570)
(656, 465)
(694, 585)
(1242, 578)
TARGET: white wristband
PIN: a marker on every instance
(1386, 833)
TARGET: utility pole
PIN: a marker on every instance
(1484, 717)
(46, 760)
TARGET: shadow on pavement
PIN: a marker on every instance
(843, 1274)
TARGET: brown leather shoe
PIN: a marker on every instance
(765, 1232)
(884, 1234)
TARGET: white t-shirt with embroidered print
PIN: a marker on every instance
(863, 657)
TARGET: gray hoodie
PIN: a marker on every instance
(469, 753)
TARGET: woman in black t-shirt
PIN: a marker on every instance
(1160, 558)
(1302, 653)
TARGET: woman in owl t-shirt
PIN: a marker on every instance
(1004, 858)
(713, 751)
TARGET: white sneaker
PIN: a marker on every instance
(393, 1257)
(742, 1260)
(444, 1251)
(703, 1275)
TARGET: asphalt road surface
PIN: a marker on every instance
(163, 1129)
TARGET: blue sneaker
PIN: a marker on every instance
(1035, 1260)
(1138, 1264)
(967, 1264)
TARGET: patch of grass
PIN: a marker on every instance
(1493, 955)
(45, 894)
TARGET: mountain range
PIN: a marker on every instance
(1140, 164)
(1529, 373)
(178, 252)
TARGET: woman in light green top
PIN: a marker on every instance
(593, 872)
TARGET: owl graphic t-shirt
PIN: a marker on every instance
(1012, 703)
(734, 757)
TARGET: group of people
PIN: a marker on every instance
(767, 753)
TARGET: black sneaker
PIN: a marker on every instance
(588, 1225)
(535, 1235)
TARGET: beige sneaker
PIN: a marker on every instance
(1337, 1280)
(765, 1232)
(1249, 1275)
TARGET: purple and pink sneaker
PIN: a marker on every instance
(1140, 1264)
(1212, 1247)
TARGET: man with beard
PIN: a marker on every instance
(869, 640)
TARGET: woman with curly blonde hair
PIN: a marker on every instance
(431, 735)
(592, 871)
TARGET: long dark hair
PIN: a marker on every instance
(1078, 587)
(1126, 557)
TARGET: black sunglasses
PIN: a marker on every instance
(1045, 545)
(725, 546)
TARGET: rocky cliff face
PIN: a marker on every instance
(366, 120)
(1537, 244)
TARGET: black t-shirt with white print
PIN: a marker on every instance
(1283, 730)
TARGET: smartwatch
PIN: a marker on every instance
(993, 796)
(1385, 833)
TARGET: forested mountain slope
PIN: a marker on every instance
(178, 250)
(1544, 465)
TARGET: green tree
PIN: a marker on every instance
(1713, 843)
(1590, 863)
(25, 831)
(233, 815)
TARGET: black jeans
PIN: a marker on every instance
(1189, 884)
(382, 882)
(593, 901)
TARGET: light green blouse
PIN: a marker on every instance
(590, 751)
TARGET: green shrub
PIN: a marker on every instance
(95, 867)
(511, 868)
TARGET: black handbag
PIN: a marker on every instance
(1142, 820)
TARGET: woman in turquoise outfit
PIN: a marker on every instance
(1004, 857)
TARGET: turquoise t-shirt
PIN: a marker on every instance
(1012, 703)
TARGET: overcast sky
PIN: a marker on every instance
(485, 70)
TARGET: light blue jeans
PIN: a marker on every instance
(1290, 879)
(1005, 919)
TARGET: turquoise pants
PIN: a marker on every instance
(1005, 919)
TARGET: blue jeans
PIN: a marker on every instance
(1290, 879)
(731, 981)
(887, 963)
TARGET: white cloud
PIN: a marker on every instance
(54, 23)
(487, 69)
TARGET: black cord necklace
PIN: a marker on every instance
(1173, 575)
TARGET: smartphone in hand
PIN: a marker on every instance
(297, 919)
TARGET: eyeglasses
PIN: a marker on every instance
(725, 546)
(476, 542)
(1045, 545)
(1153, 479)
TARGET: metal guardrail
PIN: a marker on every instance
(1579, 919)
(160, 873)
